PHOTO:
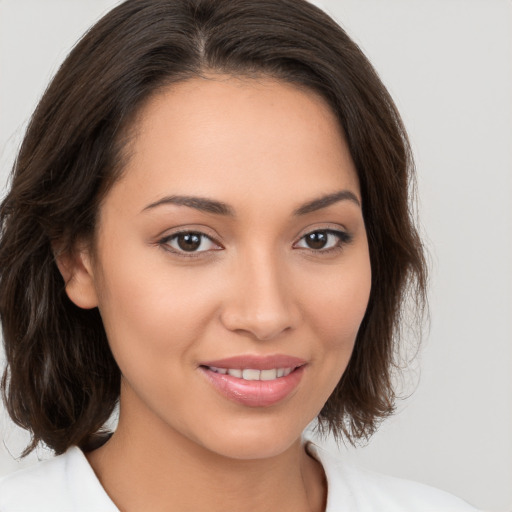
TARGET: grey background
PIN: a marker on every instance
(448, 64)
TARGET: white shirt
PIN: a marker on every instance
(67, 483)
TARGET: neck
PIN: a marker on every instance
(147, 465)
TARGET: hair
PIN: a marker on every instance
(61, 382)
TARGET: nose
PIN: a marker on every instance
(261, 301)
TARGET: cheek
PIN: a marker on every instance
(151, 314)
(339, 306)
(336, 314)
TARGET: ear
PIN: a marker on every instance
(77, 270)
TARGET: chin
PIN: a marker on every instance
(252, 448)
(252, 442)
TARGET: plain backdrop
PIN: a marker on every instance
(448, 64)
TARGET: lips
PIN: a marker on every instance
(252, 373)
(255, 381)
(257, 362)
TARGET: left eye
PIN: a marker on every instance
(323, 240)
(190, 241)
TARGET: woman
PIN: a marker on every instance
(209, 223)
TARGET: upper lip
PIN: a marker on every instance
(256, 362)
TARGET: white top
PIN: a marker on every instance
(67, 483)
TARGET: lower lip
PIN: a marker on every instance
(254, 393)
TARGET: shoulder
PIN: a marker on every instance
(351, 488)
(60, 484)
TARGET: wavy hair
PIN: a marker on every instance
(61, 381)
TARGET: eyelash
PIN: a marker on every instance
(165, 243)
(343, 237)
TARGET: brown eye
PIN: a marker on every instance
(324, 240)
(189, 242)
(317, 239)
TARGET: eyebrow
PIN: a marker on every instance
(325, 201)
(199, 203)
(219, 208)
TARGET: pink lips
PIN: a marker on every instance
(255, 393)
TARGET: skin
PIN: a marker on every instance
(264, 148)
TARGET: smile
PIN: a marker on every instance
(255, 381)
(253, 374)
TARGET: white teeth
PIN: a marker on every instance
(251, 374)
(268, 374)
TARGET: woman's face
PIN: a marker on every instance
(232, 248)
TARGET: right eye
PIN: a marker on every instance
(324, 241)
(190, 242)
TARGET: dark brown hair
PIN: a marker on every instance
(61, 382)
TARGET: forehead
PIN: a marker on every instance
(221, 136)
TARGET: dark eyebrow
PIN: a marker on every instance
(327, 200)
(219, 208)
(199, 203)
